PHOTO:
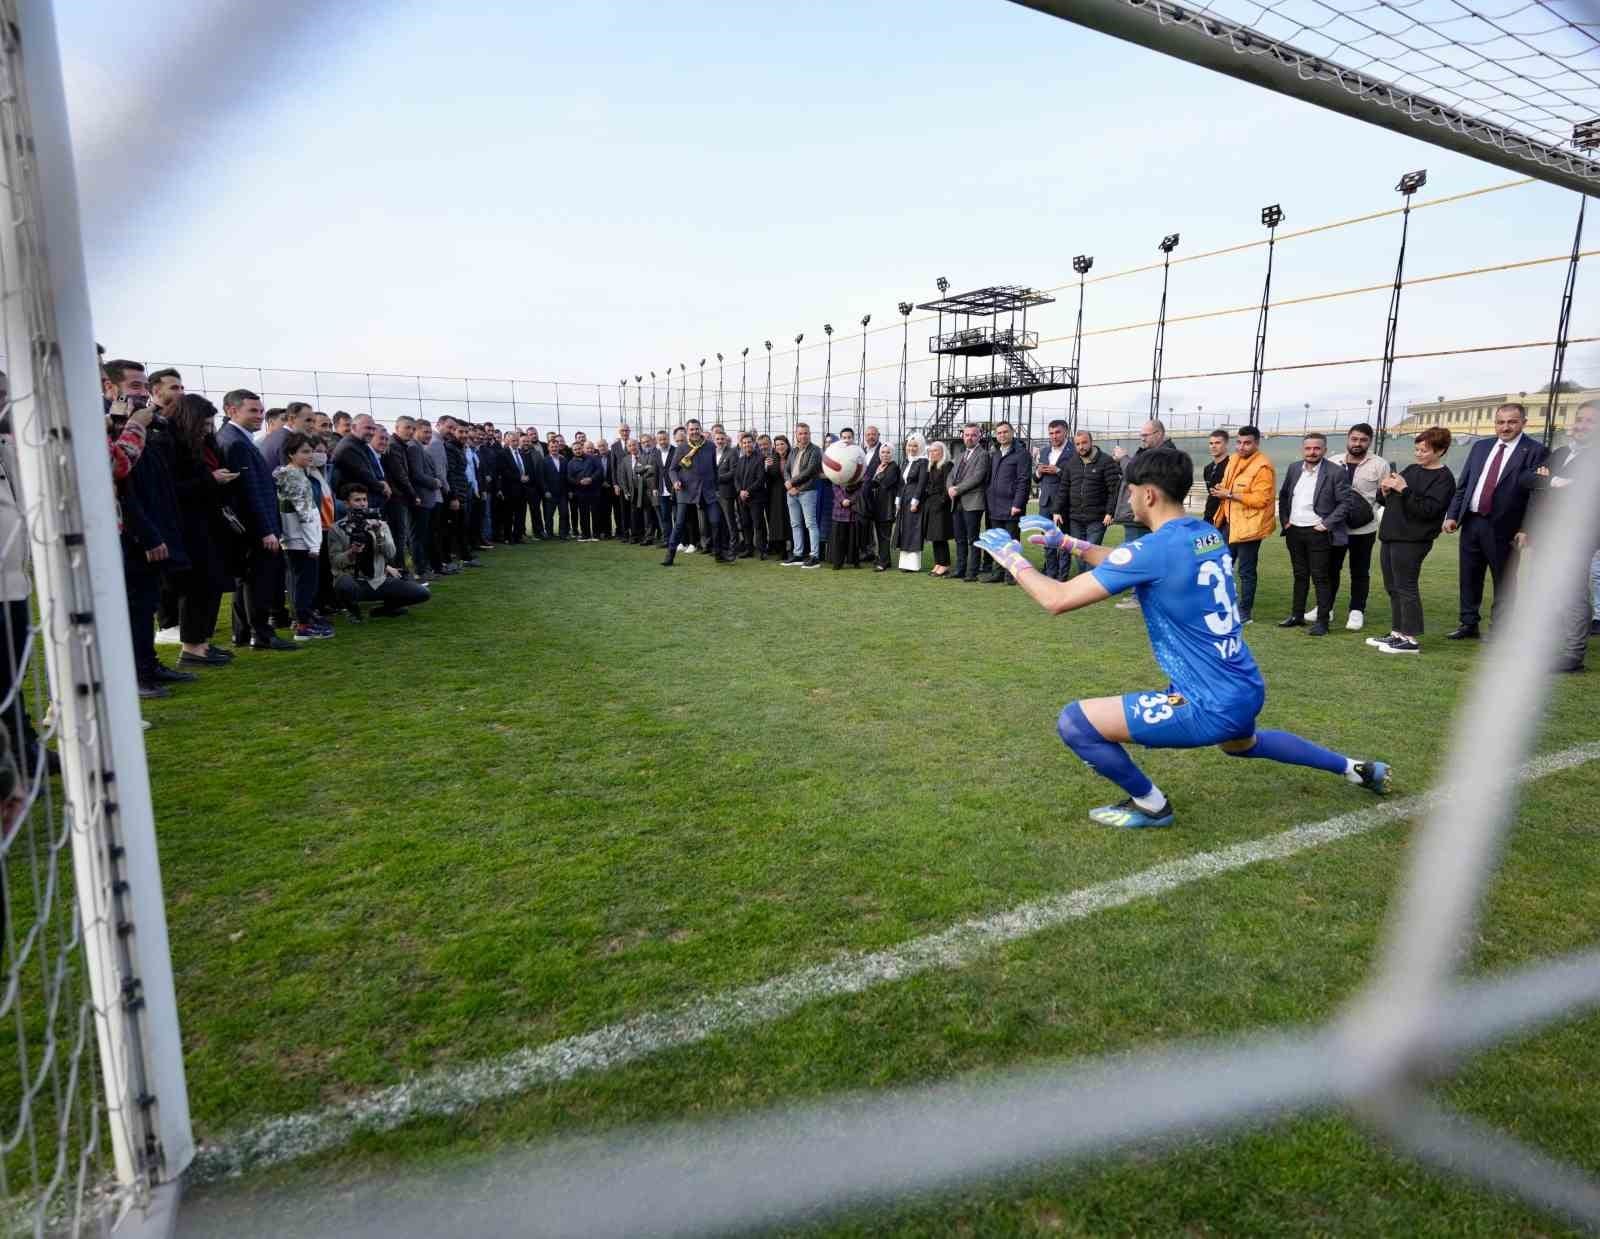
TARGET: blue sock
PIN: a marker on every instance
(1109, 760)
(1290, 749)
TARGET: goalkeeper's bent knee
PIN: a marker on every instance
(1105, 757)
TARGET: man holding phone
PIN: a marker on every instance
(259, 589)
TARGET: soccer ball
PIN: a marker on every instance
(844, 464)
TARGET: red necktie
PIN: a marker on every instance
(1486, 496)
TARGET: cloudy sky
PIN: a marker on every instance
(583, 191)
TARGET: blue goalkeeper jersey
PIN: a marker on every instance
(1183, 576)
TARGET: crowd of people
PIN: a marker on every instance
(304, 517)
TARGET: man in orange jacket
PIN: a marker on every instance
(1245, 513)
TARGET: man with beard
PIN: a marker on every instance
(1090, 482)
(1365, 469)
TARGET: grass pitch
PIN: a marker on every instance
(576, 788)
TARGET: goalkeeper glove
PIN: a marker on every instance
(1004, 549)
(1046, 534)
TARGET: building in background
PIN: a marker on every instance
(1474, 415)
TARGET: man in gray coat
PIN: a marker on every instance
(429, 487)
(969, 482)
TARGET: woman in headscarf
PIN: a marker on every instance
(908, 522)
(883, 496)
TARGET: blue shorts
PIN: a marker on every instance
(1165, 719)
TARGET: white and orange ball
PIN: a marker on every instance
(844, 464)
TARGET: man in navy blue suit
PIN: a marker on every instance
(259, 586)
(1490, 503)
(693, 471)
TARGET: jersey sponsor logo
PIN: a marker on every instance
(1176, 699)
(1206, 543)
(1122, 556)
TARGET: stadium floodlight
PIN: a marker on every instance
(1082, 263)
(1272, 215)
(719, 359)
(768, 343)
(744, 352)
(1413, 181)
(702, 361)
(1586, 136)
(828, 328)
(801, 336)
(905, 308)
(1169, 243)
(865, 319)
(639, 378)
(944, 285)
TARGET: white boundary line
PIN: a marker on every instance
(451, 1090)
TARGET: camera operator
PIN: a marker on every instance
(360, 547)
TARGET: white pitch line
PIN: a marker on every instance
(451, 1090)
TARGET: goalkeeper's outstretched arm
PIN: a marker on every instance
(1054, 596)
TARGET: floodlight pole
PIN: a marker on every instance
(827, 380)
(1271, 216)
(1082, 264)
(797, 340)
(1409, 184)
(700, 404)
(638, 401)
(861, 379)
(1168, 244)
(683, 392)
(1563, 327)
(744, 378)
(719, 387)
(905, 355)
(766, 408)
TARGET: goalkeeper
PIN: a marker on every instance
(1182, 573)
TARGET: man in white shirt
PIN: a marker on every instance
(1363, 469)
(1312, 505)
(1048, 473)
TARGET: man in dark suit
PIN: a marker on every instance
(1489, 506)
(553, 478)
(968, 482)
(262, 578)
(1048, 468)
(750, 495)
(357, 462)
(1575, 610)
(532, 456)
(618, 501)
(693, 470)
(510, 477)
(1313, 509)
(1010, 478)
(727, 490)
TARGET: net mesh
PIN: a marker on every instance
(1533, 66)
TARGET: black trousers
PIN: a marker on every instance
(534, 500)
(1013, 526)
(844, 543)
(1309, 553)
(557, 506)
(968, 527)
(753, 524)
(506, 516)
(884, 532)
(600, 509)
(1360, 549)
(392, 594)
(1485, 550)
(941, 553)
(198, 603)
(256, 593)
(302, 584)
(171, 601)
(472, 527)
(1401, 563)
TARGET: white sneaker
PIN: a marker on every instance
(1311, 616)
(168, 636)
(1128, 604)
(1356, 621)
(687, 548)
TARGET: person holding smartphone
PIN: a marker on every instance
(204, 488)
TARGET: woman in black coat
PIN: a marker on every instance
(913, 491)
(938, 527)
(1414, 503)
(778, 533)
(883, 495)
(202, 486)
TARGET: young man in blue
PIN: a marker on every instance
(1182, 573)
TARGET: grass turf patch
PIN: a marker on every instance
(575, 788)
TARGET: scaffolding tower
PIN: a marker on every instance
(975, 332)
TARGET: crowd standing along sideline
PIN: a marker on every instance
(307, 518)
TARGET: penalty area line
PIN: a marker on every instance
(449, 1091)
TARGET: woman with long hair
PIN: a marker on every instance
(937, 525)
(204, 488)
(778, 531)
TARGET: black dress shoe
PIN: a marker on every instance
(149, 691)
(166, 675)
(1294, 621)
(1467, 632)
(275, 642)
(187, 659)
(1319, 629)
(216, 651)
